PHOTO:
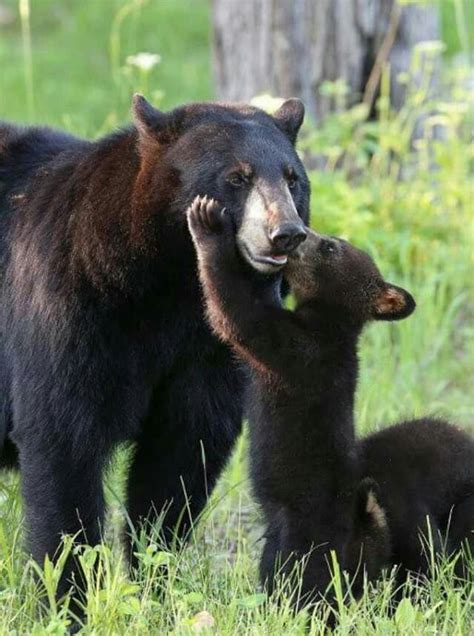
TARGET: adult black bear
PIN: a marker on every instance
(103, 338)
(314, 482)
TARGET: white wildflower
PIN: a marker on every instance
(144, 61)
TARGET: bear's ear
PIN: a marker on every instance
(392, 303)
(148, 120)
(289, 117)
(369, 507)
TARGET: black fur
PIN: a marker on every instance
(303, 450)
(102, 337)
(425, 471)
(308, 471)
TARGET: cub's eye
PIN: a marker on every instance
(292, 180)
(237, 179)
(327, 247)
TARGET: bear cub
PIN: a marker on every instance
(320, 490)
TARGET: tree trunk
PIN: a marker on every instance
(291, 47)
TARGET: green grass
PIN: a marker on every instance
(78, 83)
(457, 25)
(412, 210)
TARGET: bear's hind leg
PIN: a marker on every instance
(63, 494)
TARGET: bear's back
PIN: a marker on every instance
(24, 153)
(426, 462)
(25, 150)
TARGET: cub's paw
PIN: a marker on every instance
(207, 218)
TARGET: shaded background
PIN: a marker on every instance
(79, 76)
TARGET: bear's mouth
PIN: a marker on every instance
(273, 260)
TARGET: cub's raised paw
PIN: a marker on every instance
(207, 217)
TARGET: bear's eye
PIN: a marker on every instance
(327, 247)
(292, 180)
(237, 179)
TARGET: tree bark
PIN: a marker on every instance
(291, 47)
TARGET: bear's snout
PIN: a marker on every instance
(287, 236)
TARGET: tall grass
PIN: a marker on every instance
(24, 10)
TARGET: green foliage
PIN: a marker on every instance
(81, 79)
(408, 202)
(457, 24)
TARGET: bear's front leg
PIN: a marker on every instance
(241, 305)
(212, 231)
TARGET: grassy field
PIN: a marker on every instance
(411, 208)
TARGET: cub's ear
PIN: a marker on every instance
(369, 508)
(148, 120)
(393, 303)
(289, 117)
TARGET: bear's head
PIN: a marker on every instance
(369, 549)
(240, 156)
(344, 282)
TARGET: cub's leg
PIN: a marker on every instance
(461, 534)
(413, 543)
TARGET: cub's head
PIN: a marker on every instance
(369, 549)
(240, 156)
(344, 281)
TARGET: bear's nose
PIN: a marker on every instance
(287, 236)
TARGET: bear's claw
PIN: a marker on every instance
(205, 215)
